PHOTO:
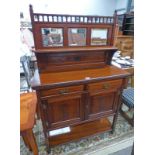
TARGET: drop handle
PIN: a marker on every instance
(64, 91)
(106, 86)
(87, 106)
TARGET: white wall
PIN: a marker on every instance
(81, 7)
(121, 4)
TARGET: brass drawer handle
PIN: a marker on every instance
(106, 86)
(64, 91)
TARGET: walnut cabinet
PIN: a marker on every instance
(76, 85)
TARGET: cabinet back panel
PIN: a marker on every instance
(49, 62)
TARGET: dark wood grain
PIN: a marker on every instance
(66, 59)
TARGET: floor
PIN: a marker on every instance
(126, 151)
(101, 144)
(123, 147)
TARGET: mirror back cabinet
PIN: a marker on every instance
(77, 87)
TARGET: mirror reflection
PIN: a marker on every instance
(99, 36)
(52, 37)
(77, 36)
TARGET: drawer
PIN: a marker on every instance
(105, 86)
(62, 90)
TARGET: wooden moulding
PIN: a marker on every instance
(81, 131)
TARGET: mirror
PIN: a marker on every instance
(99, 36)
(52, 37)
(77, 36)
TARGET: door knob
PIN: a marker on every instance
(106, 85)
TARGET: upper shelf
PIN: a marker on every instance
(79, 49)
(59, 30)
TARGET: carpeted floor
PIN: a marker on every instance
(84, 146)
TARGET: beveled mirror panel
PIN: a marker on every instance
(99, 36)
(77, 36)
(52, 37)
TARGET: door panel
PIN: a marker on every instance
(63, 111)
(102, 103)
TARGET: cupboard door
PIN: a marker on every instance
(63, 110)
(102, 103)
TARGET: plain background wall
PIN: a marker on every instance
(81, 7)
(120, 4)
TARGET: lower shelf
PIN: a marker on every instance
(81, 131)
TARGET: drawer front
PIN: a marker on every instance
(61, 91)
(105, 86)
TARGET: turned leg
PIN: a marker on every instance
(48, 149)
(114, 122)
(116, 115)
(26, 140)
(28, 134)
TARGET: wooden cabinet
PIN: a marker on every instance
(70, 105)
(125, 44)
(76, 86)
(79, 99)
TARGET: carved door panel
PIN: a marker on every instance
(102, 103)
(63, 110)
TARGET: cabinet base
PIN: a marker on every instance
(81, 131)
